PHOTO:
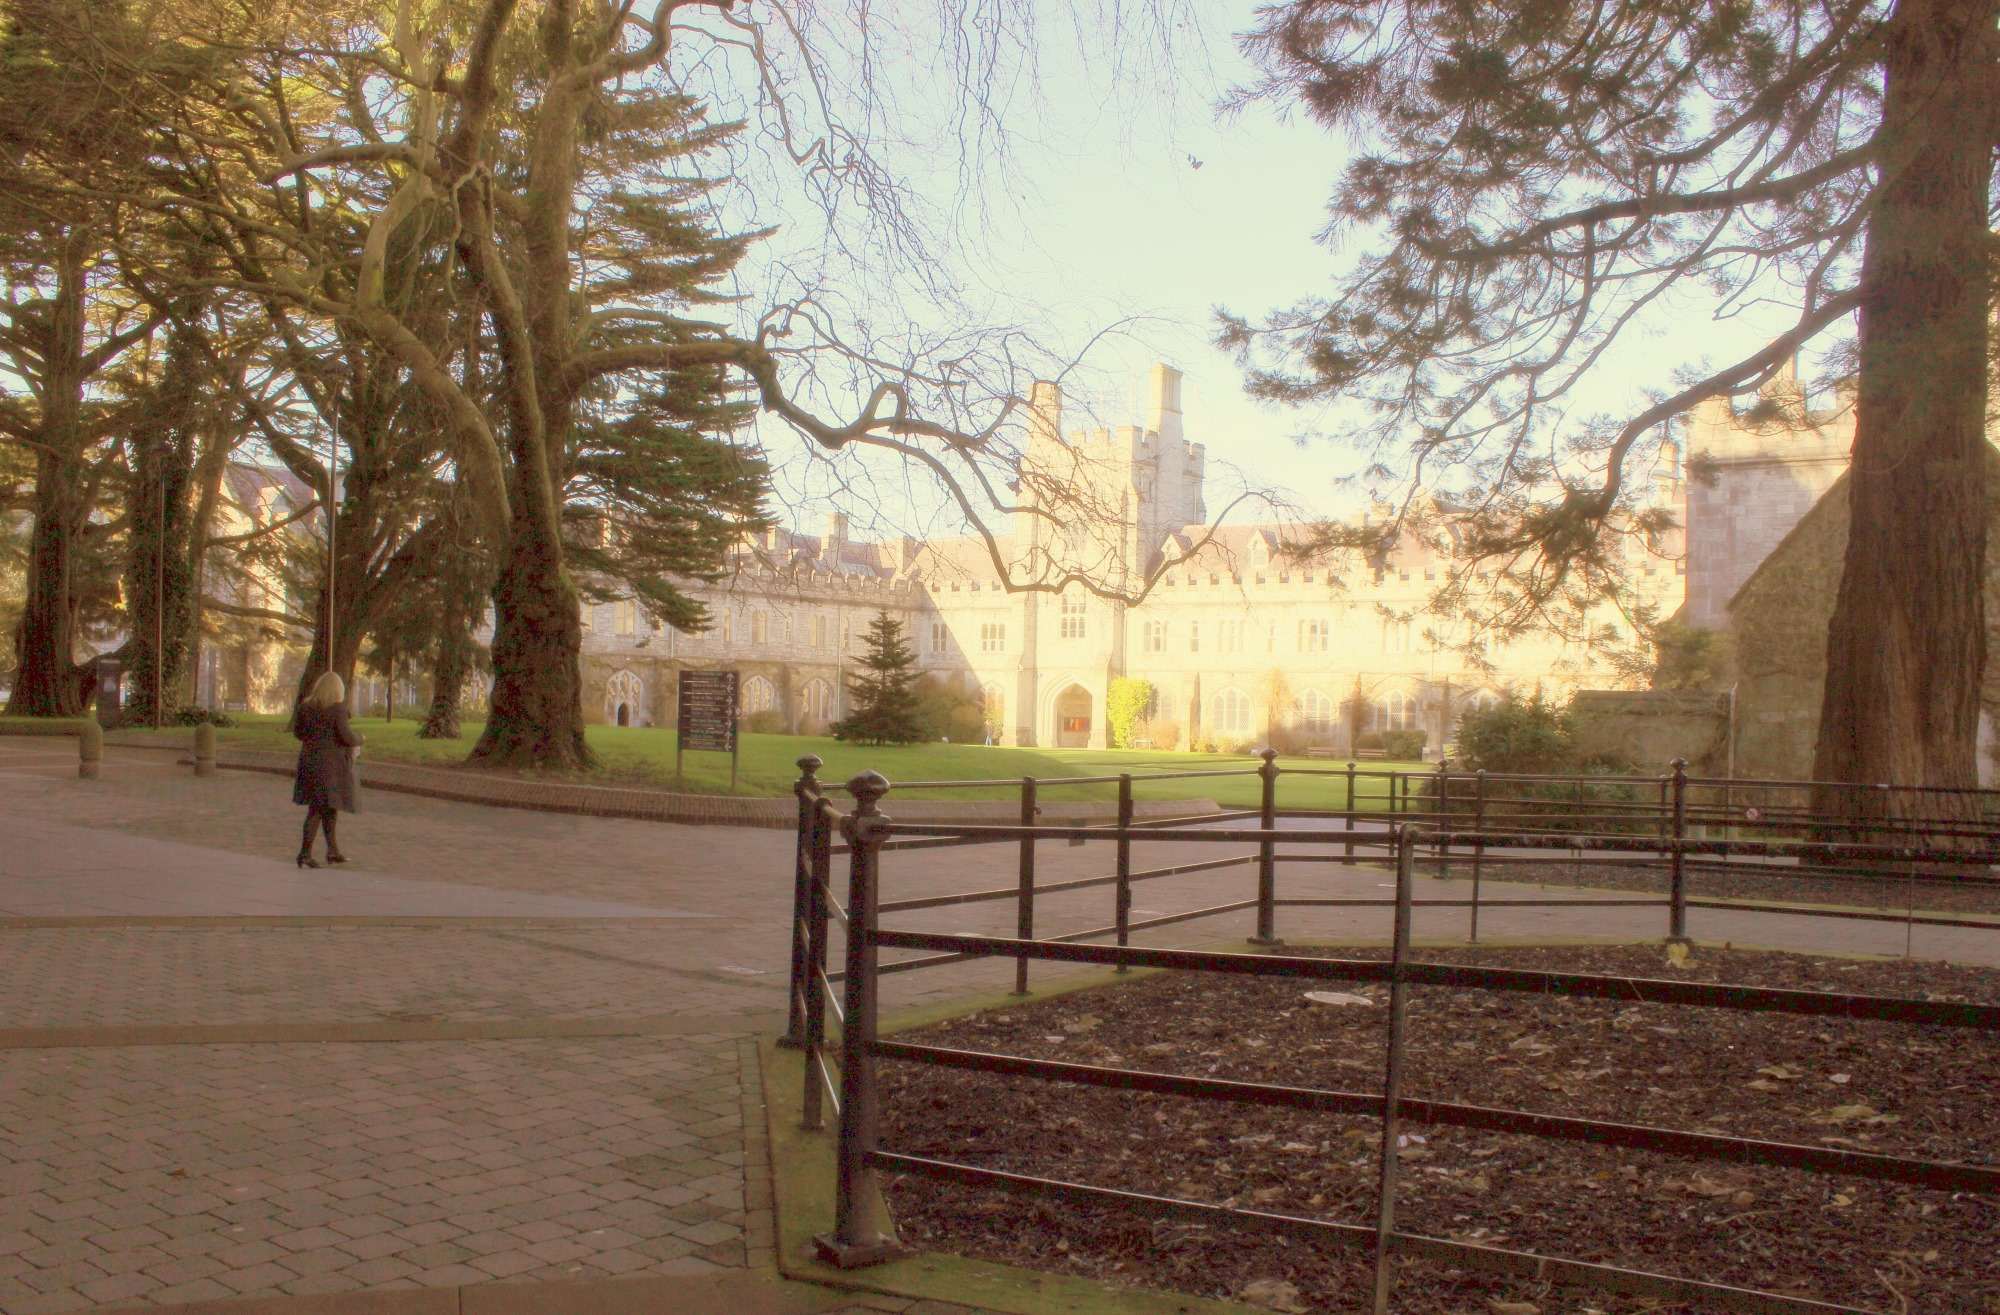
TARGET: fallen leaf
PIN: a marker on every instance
(1337, 998)
(1273, 1294)
(1515, 1308)
(1846, 1114)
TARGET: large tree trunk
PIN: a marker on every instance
(49, 683)
(159, 572)
(537, 715)
(210, 470)
(349, 629)
(448, 673)
(447, 690)
(1906, 647)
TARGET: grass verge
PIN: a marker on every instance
(803, 1200)
(40, 725)
(629, 755)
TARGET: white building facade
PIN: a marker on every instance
(1241, 643)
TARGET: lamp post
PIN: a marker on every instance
(332, 518)
(160, 598)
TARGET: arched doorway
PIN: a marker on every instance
(624, 695)
(1073, 710)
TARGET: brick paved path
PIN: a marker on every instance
(500, 1046)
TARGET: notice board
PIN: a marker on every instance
(707, 712)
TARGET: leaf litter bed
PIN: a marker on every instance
(1924, 1092)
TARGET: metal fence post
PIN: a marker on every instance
(1351, 809)
(1444, 819)
(1478, 844)
(1024, 910)
(1267, 853)
(1123, 911)
(807, 790)
(1576, 830)
(857, 1238)
(821, 876)
(1392, 1085)
(1677, 864)
(1662, 819)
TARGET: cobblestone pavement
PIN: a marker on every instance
(189, 1173)
(500, 1047)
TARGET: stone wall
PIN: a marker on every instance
(1752, 476)
(1778, 623)
(1647, 729)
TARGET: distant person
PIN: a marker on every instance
(325, 781)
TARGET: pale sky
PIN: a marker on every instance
(1104, 216)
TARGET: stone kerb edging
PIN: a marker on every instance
(641, 804)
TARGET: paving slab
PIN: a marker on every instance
(50, 868)
(501, 1051)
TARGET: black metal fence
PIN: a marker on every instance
(1675, 826)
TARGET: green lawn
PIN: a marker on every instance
(646, 756)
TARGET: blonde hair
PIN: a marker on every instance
(327, 691)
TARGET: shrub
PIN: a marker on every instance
(1512, 736)
(196, 716)
(768, 721)
(1156, 734)
(1403, 745)
(1290, 740)
(947, 713)
(1125, 707)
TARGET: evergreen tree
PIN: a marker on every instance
(885, 700)
(1533, 176)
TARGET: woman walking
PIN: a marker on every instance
(325, 782)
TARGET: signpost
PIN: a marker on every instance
(110, 682)
(705, 718)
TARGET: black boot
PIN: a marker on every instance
(306, 859)
(333, 854)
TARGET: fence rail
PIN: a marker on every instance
(1418, 836)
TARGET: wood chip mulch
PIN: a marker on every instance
(1924, 1092)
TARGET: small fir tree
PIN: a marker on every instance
(885, 700)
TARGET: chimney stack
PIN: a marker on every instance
(836, 536)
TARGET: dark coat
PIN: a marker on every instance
(326, 758)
